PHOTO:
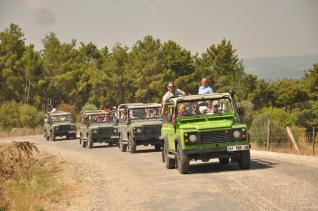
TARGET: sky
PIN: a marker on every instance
(256, 28)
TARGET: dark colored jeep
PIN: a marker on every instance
(139, 124)
(58, 124)
(97, 127)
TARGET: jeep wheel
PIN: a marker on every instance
(47, 138)
(183, 162)
(84, 143)
(224, 161)
(80, 139)
(132, 146)
(157, 147)
(123, 147)
(245, 160)
(170, 163)
(90, 143)
(52, 137)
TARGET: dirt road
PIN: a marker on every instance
(124, 181)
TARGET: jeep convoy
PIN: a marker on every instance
(191, 127)
(58, 124)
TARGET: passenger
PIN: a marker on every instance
(205, 88)
(182, 110)
(172, 92)
(210, 107)
(194, 109)
(215, 107)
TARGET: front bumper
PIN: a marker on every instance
(216, 152)
(64, 133)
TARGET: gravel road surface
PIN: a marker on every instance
(124, 181)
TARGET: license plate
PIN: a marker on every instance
(237, 148)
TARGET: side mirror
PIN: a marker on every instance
(240, 111)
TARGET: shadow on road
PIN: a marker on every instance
(146, 150)
(215, 167)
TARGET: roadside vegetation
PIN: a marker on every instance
(30, 180)
(73, 75)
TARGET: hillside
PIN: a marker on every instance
(274, 68)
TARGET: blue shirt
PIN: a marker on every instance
(205, 90)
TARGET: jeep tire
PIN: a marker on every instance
(132, 146)
(245, 159)
(183, 162)
(122, 146)
(157, 147)
(52, 137)
(90, 142)
(170, 163)
(224, 161)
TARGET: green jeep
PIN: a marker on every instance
(58, 123)
(139, 124)
(97, 127)
(202, 127)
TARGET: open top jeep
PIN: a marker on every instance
(58, 123)
(139, 124)
(97, 126)
(202, 127)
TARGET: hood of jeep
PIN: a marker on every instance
(145, 123)
(62, 123)
(225, 123)
(96, 126)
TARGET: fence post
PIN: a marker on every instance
(268, 134)
(291, 136)
(313, 140)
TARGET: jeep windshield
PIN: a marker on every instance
(144, 113)
(100, 118)
(61, 118)
(210, 108)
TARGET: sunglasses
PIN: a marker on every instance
(170, 86)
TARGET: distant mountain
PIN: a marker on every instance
(275, 68)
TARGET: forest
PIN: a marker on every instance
(71, 75)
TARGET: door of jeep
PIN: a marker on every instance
(84, 126)
(169, 128)
(123, 123)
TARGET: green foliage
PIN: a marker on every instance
(277, 118)
(308, 116)
(248, 111)
(9, 115)
(89, 106)
(80, 75)
(29, 116)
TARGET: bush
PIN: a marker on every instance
(278, 119)
(248, 111)
(89, 106)
(29, 116)
(9, 115)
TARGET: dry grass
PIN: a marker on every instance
(32, 181)
(21, 132)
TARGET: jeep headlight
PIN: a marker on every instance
(137, 130)
(72, 127)
(56, 128)
(115, 130)
(94, 131)
(239, 133)
(192, 138)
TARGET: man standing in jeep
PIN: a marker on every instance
(172, 92)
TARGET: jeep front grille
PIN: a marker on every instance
(64, 127)
(216, 137)
(152, 130)
(106, 131)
